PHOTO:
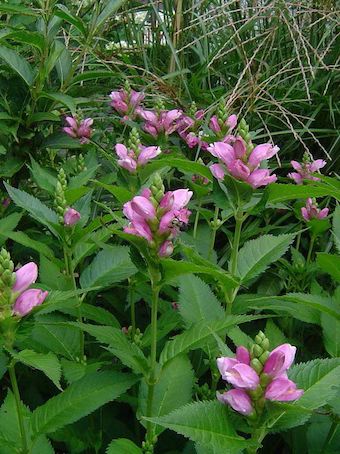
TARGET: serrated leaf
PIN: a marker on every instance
(118, 344)
(274, 334)
(196, 301)
(111, 265)
(181, 164)
(47, 363)
(25, 240)
(123, 446)
(176, 375)
(9, 424)
(281, 192)
(199, 334)
(256, 255)
(336, 227)
(206, 423)
(79, 399)
(35, 207)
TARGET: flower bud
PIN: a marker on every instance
(71, 217)
(256, 365)
(28, 300)
(25, 276)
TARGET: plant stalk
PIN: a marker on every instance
(15, 389)
(310, 250)
(214, 230)
(239, 218)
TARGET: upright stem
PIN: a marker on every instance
(239, 218)
(197, 218)
(16, 393)
(70, 273)
(153, 355)
(214, 230)
(310, 250)
(257, 436)
(132, 309)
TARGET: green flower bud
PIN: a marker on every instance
(263, 358)
(256, 365)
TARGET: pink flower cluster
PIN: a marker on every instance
(305, 170)
(79, 129)
(272, 383)
(126, 102)
(311, 211)
(129, 160)
(163, 122)
(235, 160)
(159, 223)
(187, 130)
(26, 300)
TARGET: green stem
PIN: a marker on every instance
(239, 218)
(70, 273)
(257, 437)
(153, 355)
(132, 309)
(15, 388)
(214, 230)
(197, 218)
(310, 250)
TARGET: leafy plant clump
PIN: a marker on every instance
(170, 228)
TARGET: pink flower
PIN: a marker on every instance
(164, 122)
(311, 211)
(82, 130)
(243, 355)
(126, 103)
(159, 223)
(282, 389)
(25, 276)
(279, 360)
(28, 300)
(238, 399)
(242, 167)
(218, 171)
(166, 249)
(304, 170)
(227, 126)
(130, 161)
(242, 376)
(71, 217)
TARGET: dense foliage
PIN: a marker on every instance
(170, 227)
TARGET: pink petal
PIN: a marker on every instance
(148, 153)
(218, 171)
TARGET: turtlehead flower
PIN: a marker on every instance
(218, 126)
(158, 222)
(28, 300)
(129, 160)
(305, 170)
(163, 122)
(71, 217)
(251, 368)
(311, 211)
(25, 276)
(235, 160)
(79, 129)
(188, 130)
(126, 102)
(238, 401)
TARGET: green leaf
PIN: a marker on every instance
(82, 178)
(111, 265)
(256, 255)
(181, 164)
(10, 167)
(331, 334)
(60, 140)
(91, 75)
(329, 264)
(123, 446)
(18, 9)
(33, 38)
(18, 64)
(336, 227)
(36, 209)
(65, 14)
(43, 178)
(121, 194)
(199, 334)
(61, 98)
(110, 7)
(27, 241)
(282, 192)
(9, 424)
(79, 399)
(118, 344)
(8, 224)
(47, 363)
(173, 269)
(274, 334)
(196, 301)
(206, 423)
(305, 307)
(176, 375)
